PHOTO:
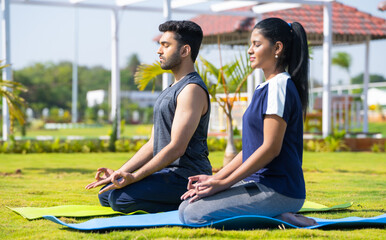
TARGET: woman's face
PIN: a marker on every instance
(261, 52)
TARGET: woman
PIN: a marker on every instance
(266, 177)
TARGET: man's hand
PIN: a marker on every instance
(101, 180)
(119, 179)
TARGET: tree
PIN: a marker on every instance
(50, 85)
(132, 63)
(229, 79)
(373, 78)
(147, 73)
(10, 91)
(342, 60)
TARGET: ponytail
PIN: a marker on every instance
(298, 63)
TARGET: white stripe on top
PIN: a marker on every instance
(277, 87)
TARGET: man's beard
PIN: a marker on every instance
(172, 62)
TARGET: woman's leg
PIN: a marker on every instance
(241, 199)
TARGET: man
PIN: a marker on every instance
(154, 179)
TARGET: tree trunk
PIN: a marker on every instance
(230, 150)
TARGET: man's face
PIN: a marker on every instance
(169, 51)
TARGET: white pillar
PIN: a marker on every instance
(166, 80)
(115, 77)
(74, 105)
(366, 80)
(327, 42)
(346, 118)
(258, 73)
(167, 10)
(166, 77)
(250, 88)
(7, 72)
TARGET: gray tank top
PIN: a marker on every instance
(195, 159)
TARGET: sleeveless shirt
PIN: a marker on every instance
(195, 159)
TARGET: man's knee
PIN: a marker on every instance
(104, 198)
(119, 203)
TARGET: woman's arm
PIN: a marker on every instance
(274, 130)
(230, 167)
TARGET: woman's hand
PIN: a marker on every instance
(101, 180)
(119, 179)
(193, 181)
(205, 186)
(197, 179)
(208, 188)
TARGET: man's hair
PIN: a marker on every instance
(186, 32)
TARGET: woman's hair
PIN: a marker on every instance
(294, 56)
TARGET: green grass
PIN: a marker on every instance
(378, 127)
(59, 179)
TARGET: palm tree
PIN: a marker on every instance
(10, 90)
(229, 78)
(343, 60)
(148, 72)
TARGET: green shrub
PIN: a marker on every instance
(216, 144)
(334, 143)
(92, 145)
(376, 148)
(313, 146)
(69, 146)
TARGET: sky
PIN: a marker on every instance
(46, 34)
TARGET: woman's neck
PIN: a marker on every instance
(270, 74)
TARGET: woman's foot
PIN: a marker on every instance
(297, 219)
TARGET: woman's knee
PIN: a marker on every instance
(190, 214)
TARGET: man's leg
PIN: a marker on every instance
(158, 192)
(104, 197)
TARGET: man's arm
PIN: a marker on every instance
(143, 155)
(192, 103)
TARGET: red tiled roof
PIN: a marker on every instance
(346, 20)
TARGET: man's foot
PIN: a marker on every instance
(297, 219)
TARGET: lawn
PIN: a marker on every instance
(59, 179)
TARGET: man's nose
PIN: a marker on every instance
(159, 51)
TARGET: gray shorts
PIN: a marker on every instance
(243, 198)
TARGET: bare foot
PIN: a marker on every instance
(297, 219)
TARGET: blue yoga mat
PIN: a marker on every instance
(240, 222)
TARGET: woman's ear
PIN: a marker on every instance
(278, 48)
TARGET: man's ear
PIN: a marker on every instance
(185, 50)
